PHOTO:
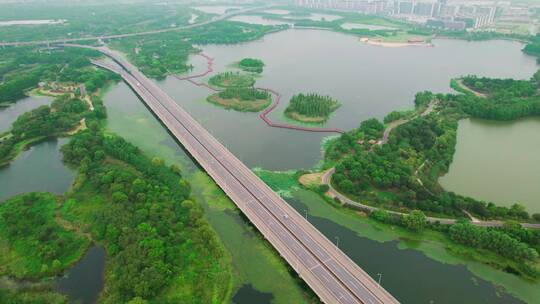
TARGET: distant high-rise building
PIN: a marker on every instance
(362, 6)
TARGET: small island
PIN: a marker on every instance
(311, 108)
(244, 99)
(231, 80)
(251, 65)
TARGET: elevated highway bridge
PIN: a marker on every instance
(331, 274)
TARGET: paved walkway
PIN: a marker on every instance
(333, 193)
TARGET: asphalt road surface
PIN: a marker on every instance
(333, 276)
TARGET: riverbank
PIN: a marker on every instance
(432, 244)
(31, 255)
(458, 85)
(239, 104)
(19, 148)
(305, 119)
(394, 44)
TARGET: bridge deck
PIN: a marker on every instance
(326, 269)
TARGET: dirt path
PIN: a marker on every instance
(396, 123)
(466, 88)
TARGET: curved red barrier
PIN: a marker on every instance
(263, 115)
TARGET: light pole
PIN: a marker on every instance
(337, 241)
(380, 278)
(305, 212)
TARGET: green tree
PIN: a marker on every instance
(415, 221)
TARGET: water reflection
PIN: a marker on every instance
(38, 169)
(249, 295)
(407, 274)
(9, 114)
(83, 283)
(498, 162)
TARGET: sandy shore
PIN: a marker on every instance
(378, 42)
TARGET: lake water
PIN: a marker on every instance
(406, 272)
(497, 162)
(83, 283)
(38, 169)
(369, 81)
(9, 115)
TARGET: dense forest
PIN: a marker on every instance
(158, 243)
(244, 94)
(244, 99)
(426, 142)
(31, 297)
(162, 54)
(494, 240)
(158, 55)
(517, 247)
(311, 106)
(251, 65)
(92, 19)
(23, 68)
(533, 47)
(156, 237)
(46, 121)
(39, 246)
(159, 246)
(506, 99)
(229, 32)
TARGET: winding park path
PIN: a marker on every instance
(468, 89)
(326, 179)
(333, 193)
(276, 98)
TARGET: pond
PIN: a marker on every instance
(83, 283)
(9, 114)
(38, 169)
(497, 162)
